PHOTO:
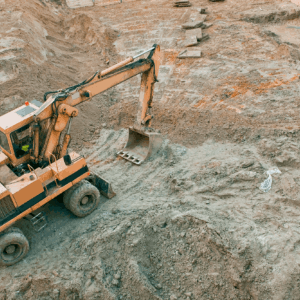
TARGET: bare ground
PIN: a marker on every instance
(190, 223)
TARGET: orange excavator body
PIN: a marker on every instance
(35, 167)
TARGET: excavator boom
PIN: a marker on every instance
(60, 107)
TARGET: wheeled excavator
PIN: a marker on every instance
(36, 166)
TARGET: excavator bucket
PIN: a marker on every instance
(140, 146)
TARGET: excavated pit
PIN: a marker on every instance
(191, 222)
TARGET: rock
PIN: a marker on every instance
(115, 211)
(115, 282)
(247, 163)
(173, 297)
(117, 276)
(243, 176)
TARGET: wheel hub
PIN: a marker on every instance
(85, 200)
(10, 249)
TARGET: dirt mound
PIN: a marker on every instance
(43, 48)
(192, 223)
(86, 31)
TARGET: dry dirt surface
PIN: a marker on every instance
(191, 222)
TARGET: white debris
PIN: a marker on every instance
(266, 185)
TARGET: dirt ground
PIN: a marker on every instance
(191, 222)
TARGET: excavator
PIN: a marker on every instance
(36, 165)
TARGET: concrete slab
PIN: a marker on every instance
(191, 24)
(108, 2)
(194, 32)
(193, 53)
(190, 41)
(79, 3)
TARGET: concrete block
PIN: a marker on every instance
(193, 53)
(79, 3)
(205, 37)
(194, 32)
(190, 41)
(107, 2)
(206, 25)
(182, 3)
(201, 10)
(192, 24)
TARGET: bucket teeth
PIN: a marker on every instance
(140, 146)
(130, 157)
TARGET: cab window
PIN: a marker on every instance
(4, 142)
(22, 141)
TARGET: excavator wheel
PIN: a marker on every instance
(84, 199)
(69, 192)
(14, 246)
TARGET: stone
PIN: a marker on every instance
(190, 54)
(115, 282)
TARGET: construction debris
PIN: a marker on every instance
(182, 3)
(198, 17)
(193, 53)
(197, 32)
(201, 10)
(205, 37)
(190, 41)
(194, 22)
(206, 25)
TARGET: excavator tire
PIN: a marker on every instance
(14, 246)
(84, 200)
(69, 192)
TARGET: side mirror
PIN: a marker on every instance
(67, 160)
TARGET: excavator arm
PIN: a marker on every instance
(60, 108)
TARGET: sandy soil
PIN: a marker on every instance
(190, 223)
